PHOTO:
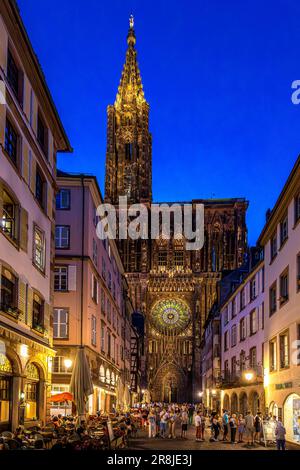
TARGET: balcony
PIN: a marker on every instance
(38, 328)
(14, 312)
(239, 378)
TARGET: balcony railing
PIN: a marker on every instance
(236, 378)
(10, 310)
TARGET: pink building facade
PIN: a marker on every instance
(30, 136)
(89, 300)
(281, 241)
(242, 337)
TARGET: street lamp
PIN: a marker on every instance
(68, 363)
(213, 392)
(249, 376)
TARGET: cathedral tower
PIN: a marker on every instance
(128, 156)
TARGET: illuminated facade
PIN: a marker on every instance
(30, 136)
(172, 287)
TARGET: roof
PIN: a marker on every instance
(286, 187)
(38, 69)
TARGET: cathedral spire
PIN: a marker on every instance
(129, 142)
(130, 90)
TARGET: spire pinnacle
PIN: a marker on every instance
(131, 35)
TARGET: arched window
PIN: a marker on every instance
(5, 388)
(113, 380)
(107, 376)
(31, 392)
(102, 373)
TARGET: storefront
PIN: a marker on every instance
(291, 417)
(5, 392)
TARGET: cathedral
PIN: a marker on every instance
(172, 287)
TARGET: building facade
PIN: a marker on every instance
(173, 288)
(280, 239)
(91, 307)
(242, 336)
(31, 134)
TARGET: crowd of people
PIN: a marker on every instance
(172, 420)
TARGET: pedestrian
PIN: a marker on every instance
(163, 423)
(184, 423)
(233, 427)
(249, 428)
(241, 428)
(191, 413)
(215, 426)
(198, 426)
(257, 426)
(157, 416)
(225, 420)
(280, 433)
(203, 419)
(152, 424)
(172, 425)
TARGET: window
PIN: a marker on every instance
(102, 302)
(283, 230)
(178, 258)
(102, 337)
(9, 219)
(63, 199)
(95, 252)
(94, 289)
(109, 280)
(62, 236)
(108, 311)
(242, 329)
(297, 207)
(59, 367)
(226, 316)
(233, 308)
(253, 322)
(233, 367)
(242, 361)
(273, 299)
(226, 341)
(242, 299)
(108, 343)
(162, 258)
(103, 269)
(284, 287)
(94, 330)
(233, 336)
(8, 293)
(38, 313)
(61, 278)
(252, 289)
(60, 323)
(39, 248)
(114, 290)
(226, 369)
(14, 77)
(272, 355)
(273, 246)
(284, 350)
(262, 315)
(40, 185)
(298, 272)
(11, 142)
(253, 358)
(42, 134)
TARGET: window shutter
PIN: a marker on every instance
(71, 278)
(49, 201)
(97, 293)
(23, 237)
(33, 174)
(25, 168)
(47, 316)
(29, 306)
(1, 198)
(22, 300)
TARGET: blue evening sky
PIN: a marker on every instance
(217, 75)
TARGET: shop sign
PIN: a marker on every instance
(284, 385)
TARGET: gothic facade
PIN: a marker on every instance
(174, 288)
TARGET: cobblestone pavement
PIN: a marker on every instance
(142, 442)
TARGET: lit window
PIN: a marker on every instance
(8, 222)
(62, 236)
(253, 322)
(284, 350)
(38, 313)
(61, 278)
(39, 248)
(63, 199)
(273, 355)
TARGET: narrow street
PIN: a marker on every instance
(142, 442)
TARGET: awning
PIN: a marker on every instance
(59, 397)
(81, 385)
